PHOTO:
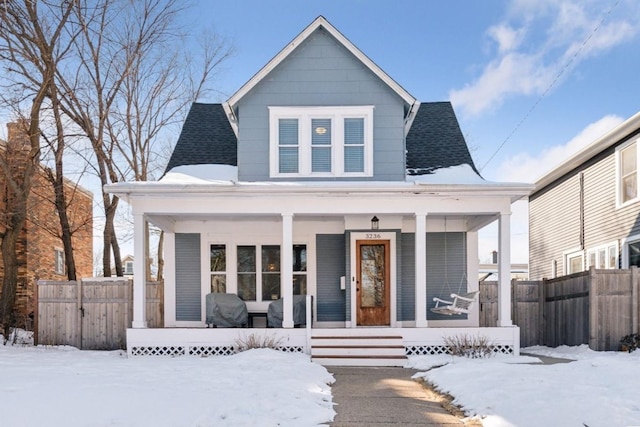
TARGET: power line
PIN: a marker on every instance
(556, 78)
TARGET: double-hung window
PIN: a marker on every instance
(218, 263)
(258, 269)
(605, 256)
(321, 141)
(627, 173)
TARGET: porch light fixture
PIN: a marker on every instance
(374, 223)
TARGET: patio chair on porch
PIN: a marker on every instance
(226, 311)
(275, 312)
(461, 304)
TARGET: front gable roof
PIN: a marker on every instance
(319, 22)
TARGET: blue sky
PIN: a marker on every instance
(546, 76)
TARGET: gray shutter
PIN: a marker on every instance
(330, 261)
(440, 282)
(188, 286)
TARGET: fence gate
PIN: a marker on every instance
(89, 314)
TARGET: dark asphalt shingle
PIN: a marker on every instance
(435, 140)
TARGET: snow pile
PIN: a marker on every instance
(79, 388)
(201, 174)
(461, 174)
(599, 389)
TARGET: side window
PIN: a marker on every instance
(574, 263)
(58, 261)
(246, 272)
(603, 257)
(627, 173)
(218, 263)
(634, 253)
(128, 268)
(299, 269)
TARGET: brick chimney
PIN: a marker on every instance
(18, 133)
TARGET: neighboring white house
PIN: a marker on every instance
(321, 176)
(586, 211)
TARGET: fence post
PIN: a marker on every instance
(35, 312)
(634, 299)
(542, 296)
(80, 313)
(593, 310)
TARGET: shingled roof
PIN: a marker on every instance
(435, 140)
(206, 138)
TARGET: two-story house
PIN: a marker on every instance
(585, 212)
(40, 250)
(321, 176)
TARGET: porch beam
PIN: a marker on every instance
(504, 270)
(139, 272)
(286, 270)
(421, 270)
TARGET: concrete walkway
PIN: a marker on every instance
(382, 397)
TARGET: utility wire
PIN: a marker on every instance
(556, 78)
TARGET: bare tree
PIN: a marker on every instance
(29, 46)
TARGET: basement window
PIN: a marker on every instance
(58, 261)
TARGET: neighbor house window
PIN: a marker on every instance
(218, 268)
(604, 257)
(634, 254)
(321, 141)
(627, 173)
(59, 261)
(574, 262)
(128, 268)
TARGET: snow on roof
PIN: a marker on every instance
(202, 174)
(461, 174)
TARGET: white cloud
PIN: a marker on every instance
(529, 59)
(524, 167)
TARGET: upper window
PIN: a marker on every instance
(128, 268)
(627, 173)
(321, 141)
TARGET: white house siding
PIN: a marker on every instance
(321, 72)
(554, 227)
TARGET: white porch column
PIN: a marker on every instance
(504, 270)
(286, 270)
(421, 271)
(139, 272)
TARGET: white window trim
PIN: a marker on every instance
(57, 270)
(625, 249)
(567, 255)
(619, 149)
(597, 249)
(304, 115)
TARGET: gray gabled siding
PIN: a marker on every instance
(330, 249)
(188, 288)
(446, 270)
(407, 275)
(321, 72)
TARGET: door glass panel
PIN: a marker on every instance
(372, 265)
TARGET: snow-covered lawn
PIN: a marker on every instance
(63, 386)
(598, 389)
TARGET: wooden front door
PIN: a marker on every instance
(372, 282)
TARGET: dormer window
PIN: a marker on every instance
(321, 141)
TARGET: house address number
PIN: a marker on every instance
(373, 236)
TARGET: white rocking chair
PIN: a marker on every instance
(461, 304)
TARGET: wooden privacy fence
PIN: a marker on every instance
(91, 314)
(595, 307)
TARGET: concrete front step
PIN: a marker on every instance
(370, 350)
